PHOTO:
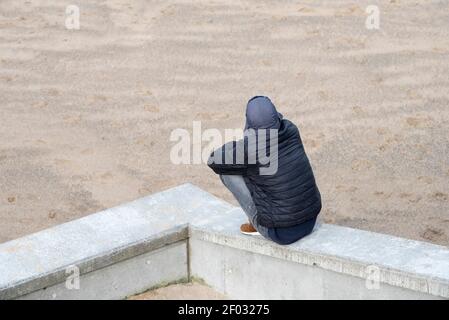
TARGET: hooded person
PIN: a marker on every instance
(262, 114)
(269, 174)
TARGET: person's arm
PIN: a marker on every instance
(232, 158)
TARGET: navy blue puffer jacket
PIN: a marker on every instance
(286, 198)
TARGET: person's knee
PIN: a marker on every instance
(227, 182)
(222, 178)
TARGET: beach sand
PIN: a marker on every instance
(86, 115)
(183, 291)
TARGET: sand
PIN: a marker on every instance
(184, 291)
(86, 115)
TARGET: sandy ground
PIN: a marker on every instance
(86, 115)
(186, 291)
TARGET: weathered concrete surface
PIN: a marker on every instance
(335, 257)
(399, 262)
(124, 278)
(246, 274)
(47, 264)
(40, 260)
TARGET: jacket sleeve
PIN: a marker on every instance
(233, 158)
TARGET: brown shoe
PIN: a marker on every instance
(247, 228)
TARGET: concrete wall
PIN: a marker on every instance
(184, 232)
(124, 278)
(332, 263)
(242, 274)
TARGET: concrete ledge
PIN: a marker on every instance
(36, 273)
(124, 278)
(40, 260)
(109, 246)
(298, 271)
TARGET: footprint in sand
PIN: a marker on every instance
(62, 161)
(98, 98)
(53, 92)
(76, 119)
(87, 151)
(412, 198)
(382, 194)
(40, 104)
(354, 10)
(144, 92)
(52, 214)
(346, 188)
(433, 234)
(361, 164)
(378, 79)
(144, 191)
(390, 141)
(306, 9)
(412, 94)
(151, 108)
(106, 176)
(382, 131)
(311, 143)
(145, 141)
(424, 179)
(358, 110)
(419, 122)
(383, 147)
(168, 12)
(41, 142)
(439, 50)
(323, 95)
(212, 116)
(440, 196)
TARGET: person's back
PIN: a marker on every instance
(290, 195)
(280, 196)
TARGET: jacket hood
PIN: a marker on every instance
(262, 114)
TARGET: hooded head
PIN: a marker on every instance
(262, 114)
